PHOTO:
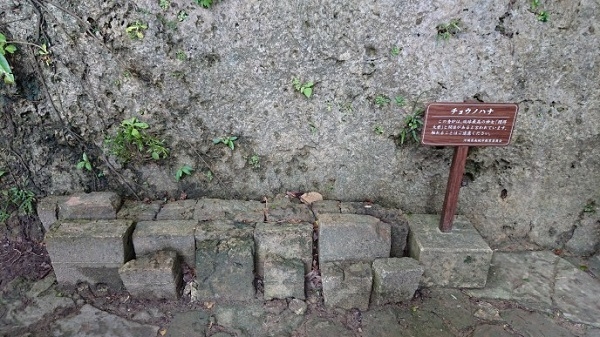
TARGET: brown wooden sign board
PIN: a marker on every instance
(463, 125)
(469, 124)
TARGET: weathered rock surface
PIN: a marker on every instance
(199, 74)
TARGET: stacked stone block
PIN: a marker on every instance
(395, 280)
(175, 235)
(280, 249)
(91, 251)
(225, 260)
(229, 243)
(347, 284)
(354, 255)
(156, 275)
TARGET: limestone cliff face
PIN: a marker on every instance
(198, 74)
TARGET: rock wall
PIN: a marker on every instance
(198, 74)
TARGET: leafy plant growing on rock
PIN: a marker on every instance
(542, 16)
(229, 141)
(5, 70)
(304, 88)
(205, 3)
(164, 4)
(185, 170)
(395, 51)
(10, 48)
(136, 30)
(413, 123)
(133, 142)
(382, 100)
(16, 198)
(254, 161)
(400, 101)
(446, 30)
(84, 163)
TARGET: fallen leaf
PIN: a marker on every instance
(162, 331)
(209, 305)
(310, 197)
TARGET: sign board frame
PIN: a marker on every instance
(469, 124)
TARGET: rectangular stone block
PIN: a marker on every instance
(395, 280)
(290, 213)
(157, 275)
(88, 242)
(175, 235)
(47, 210)
(90, 206)
(352, 237)
(238, 210)
(225, 269)
(325, 206)
(347, 284)
(139, 211)
(288, 241)
(222, 230)
(283, 278)
(93, 273)
(177, 210)
(459, 258)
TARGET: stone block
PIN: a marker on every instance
(290, 213)
(283, 278)
(459, 258)
(139, 211)
(238, 210)
(47, 210)
(177, 210)
(395, 280)
(90, 206)
(222, 230)
(347, 284)
(325, 206)
(89, 242)
(157, 275)
(225, 269)
(93, 273)
(285, 240)
(352, 237)
(175, 235)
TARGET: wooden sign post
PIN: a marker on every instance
(463, 125)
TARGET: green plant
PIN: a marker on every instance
(400, 101)
(185, 170)
(5, 71)
(382, 100)
(254, 161)
(16, 198)
(180, 55)
(590, 207)
(413, 123)
(84, 163)
(204, 3)
(2, 173)
(304, 88)
(209, 175)
(378, 129)
(164, 4)
(136, 30)
(229, 141)
(447, 30)
(133, 142)
(542, 16)
(395, 51)
(182, 15)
